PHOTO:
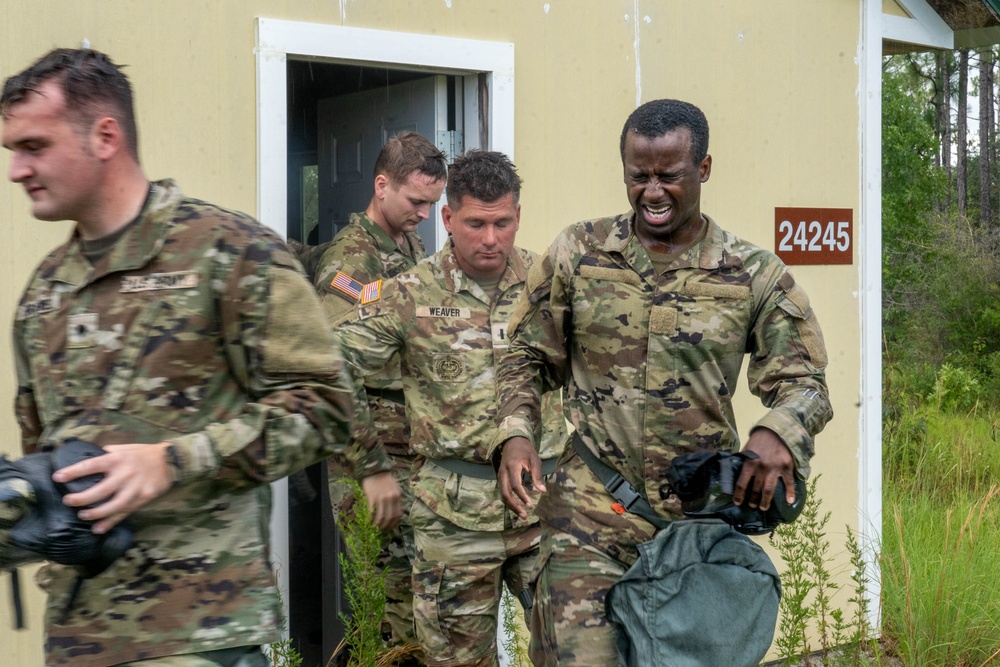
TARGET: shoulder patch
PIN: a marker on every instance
(347, 285)
(371, 292)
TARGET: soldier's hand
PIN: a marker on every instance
(774, 460)
(134, 475)
(519, 457)
(385, 499)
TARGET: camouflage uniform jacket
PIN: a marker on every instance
(197, 327)
(365, 253)
(449, 337)
(650, 363)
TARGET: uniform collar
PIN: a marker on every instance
(385, 243)
(456, 280)
(140, 243)
(712, 252)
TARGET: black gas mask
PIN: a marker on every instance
(704, 482)
(42, 527)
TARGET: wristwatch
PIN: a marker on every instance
(174, 462)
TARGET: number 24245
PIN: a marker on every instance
(814, 236)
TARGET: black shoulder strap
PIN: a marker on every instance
(618, 486)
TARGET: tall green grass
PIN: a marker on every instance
(941, 524)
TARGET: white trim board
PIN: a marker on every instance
(870, 279)
(924, 28)
(276, 41)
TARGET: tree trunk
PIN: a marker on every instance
(962, 131)
(944, 114)
(985, 130)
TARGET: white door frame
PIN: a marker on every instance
(276, 40)
(870, 270)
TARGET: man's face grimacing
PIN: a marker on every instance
(664, 186)
(51, 157)
(405, 205)
(483, 233)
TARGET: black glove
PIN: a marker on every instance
(704, 482)
(51, 529)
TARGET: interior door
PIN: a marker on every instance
(352, 130)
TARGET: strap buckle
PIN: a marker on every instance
(623, 492)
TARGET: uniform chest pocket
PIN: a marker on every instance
(715, 315)
(170, 365)
(125, 367)
(609, 313)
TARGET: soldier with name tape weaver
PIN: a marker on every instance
(376, 245)
(447, 321)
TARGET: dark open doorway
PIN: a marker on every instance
(314, 88)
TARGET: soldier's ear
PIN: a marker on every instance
(106, 138)
(705, 169)
(446, 213)
(381, 186)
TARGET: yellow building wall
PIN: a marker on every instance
(778, 81)
(892, 8)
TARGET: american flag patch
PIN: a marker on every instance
(371, 292)
(347, 285)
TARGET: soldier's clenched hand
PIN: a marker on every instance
(519, 457)
(134, 475)
(774, 460)
(385, 499)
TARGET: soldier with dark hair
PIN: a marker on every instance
(182, 339)
(446, 319)
(376, 245)
(644, 320)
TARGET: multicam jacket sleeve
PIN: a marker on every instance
(650, 362)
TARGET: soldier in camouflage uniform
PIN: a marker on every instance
(645, 318)
(447, 321)
(183, 339)
(377, 245)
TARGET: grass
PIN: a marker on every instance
(940, 539)
(941, 527)
(939, 597)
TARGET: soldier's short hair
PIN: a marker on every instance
(656, 118)
(92, 85)
(407, 152)
(483, 175)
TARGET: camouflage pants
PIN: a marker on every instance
(457, 579)
(569, 625)
(396, 557)
(243, 656)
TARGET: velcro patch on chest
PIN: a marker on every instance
(81, 330)
(347, 285)
(499, 335)
(613, 275)
(663, 320)
(46, 304)
(159, 281)
(444, 311)
(717, 291)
